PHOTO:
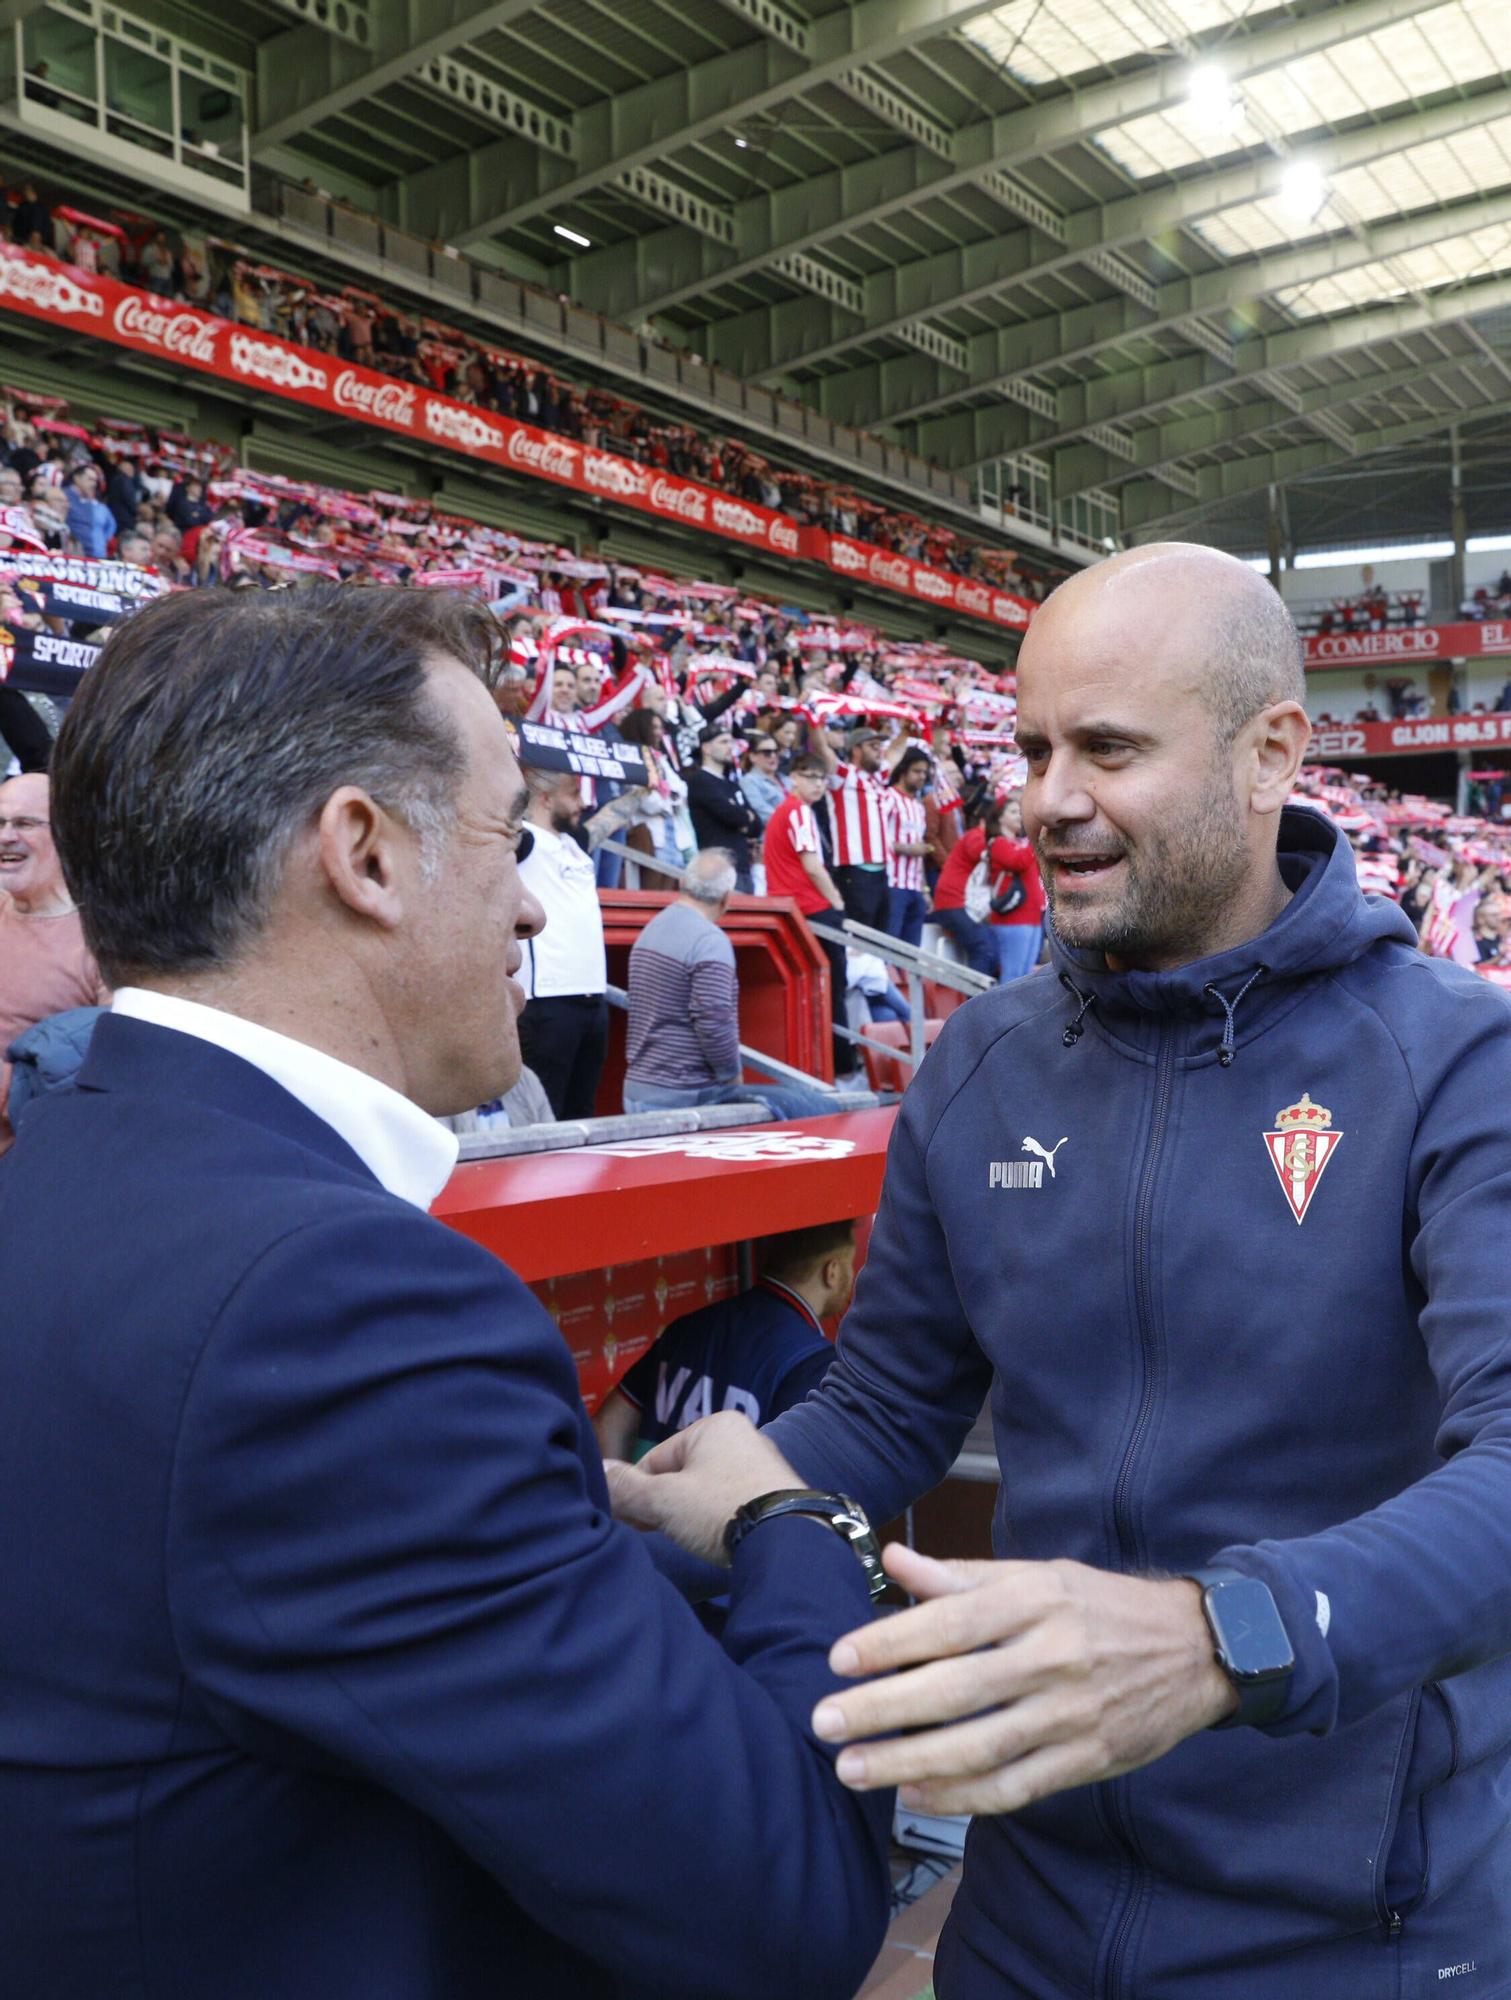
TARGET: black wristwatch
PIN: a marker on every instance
(846, 1517)
(1250, 1641)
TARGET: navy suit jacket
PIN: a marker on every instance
(324, 1670)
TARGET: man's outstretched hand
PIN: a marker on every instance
(1022, 1679)
(690, 1485)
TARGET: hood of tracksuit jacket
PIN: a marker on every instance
(1328, 923)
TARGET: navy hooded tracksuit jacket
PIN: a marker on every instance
(1205, 1344)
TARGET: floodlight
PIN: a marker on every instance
(1303, 189)
(1211, 98)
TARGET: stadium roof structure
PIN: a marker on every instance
(1192, 254)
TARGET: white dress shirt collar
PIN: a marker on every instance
(399, 1144)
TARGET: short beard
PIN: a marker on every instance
(1179, 885)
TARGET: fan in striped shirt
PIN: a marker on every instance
(907, 844)
(857, 813)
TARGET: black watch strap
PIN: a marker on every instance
(1250, 1645)
(845, 1516)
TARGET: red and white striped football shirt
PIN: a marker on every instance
(905, 826)
(857, 807)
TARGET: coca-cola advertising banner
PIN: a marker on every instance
(940, 587)
(1405, 645)
(1401, 739)
(89, 303)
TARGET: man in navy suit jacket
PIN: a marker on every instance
(324, 1670)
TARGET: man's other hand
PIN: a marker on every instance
(1023, 1679)
(691, 1484)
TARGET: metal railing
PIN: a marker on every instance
(911, 960)
(917, 965)
(774, 1067)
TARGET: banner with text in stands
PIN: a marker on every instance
(1402, 739)
(1407, 645)
(85, 302)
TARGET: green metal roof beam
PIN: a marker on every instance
(676, 265)
(305, 75)
(868, 397)
(1143, 502)
(656, 120)
(951, 280)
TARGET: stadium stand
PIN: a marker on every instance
(879, 322)
(356, 325)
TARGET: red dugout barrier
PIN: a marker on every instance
(783, 974)
(616, 1240)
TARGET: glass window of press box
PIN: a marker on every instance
(92, 65)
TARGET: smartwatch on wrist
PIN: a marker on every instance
(1250, 1642)
(846, 1517)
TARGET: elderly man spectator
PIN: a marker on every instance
(90, 521)
(135, 547)
(167, 553)
(722, 815)
(564, 1030)
(45, 965)
(683, 1045)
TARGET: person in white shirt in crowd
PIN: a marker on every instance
(564, 1030)
(907, 844)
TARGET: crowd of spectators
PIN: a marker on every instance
(764, 750)
(720, 695)
(1450, 872)
(1373, 608)
(356, 325)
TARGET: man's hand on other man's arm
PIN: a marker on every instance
(720, 1463)
(1023, 1679)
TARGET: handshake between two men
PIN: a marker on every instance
(1005, 1681)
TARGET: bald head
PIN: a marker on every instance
(1160, 715)
(1209, 621)
(30, 794)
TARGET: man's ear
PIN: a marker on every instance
(1281, 734)
(360, 857)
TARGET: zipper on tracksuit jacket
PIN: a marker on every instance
(1115, 1792)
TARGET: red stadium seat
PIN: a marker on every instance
(885, 1072)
